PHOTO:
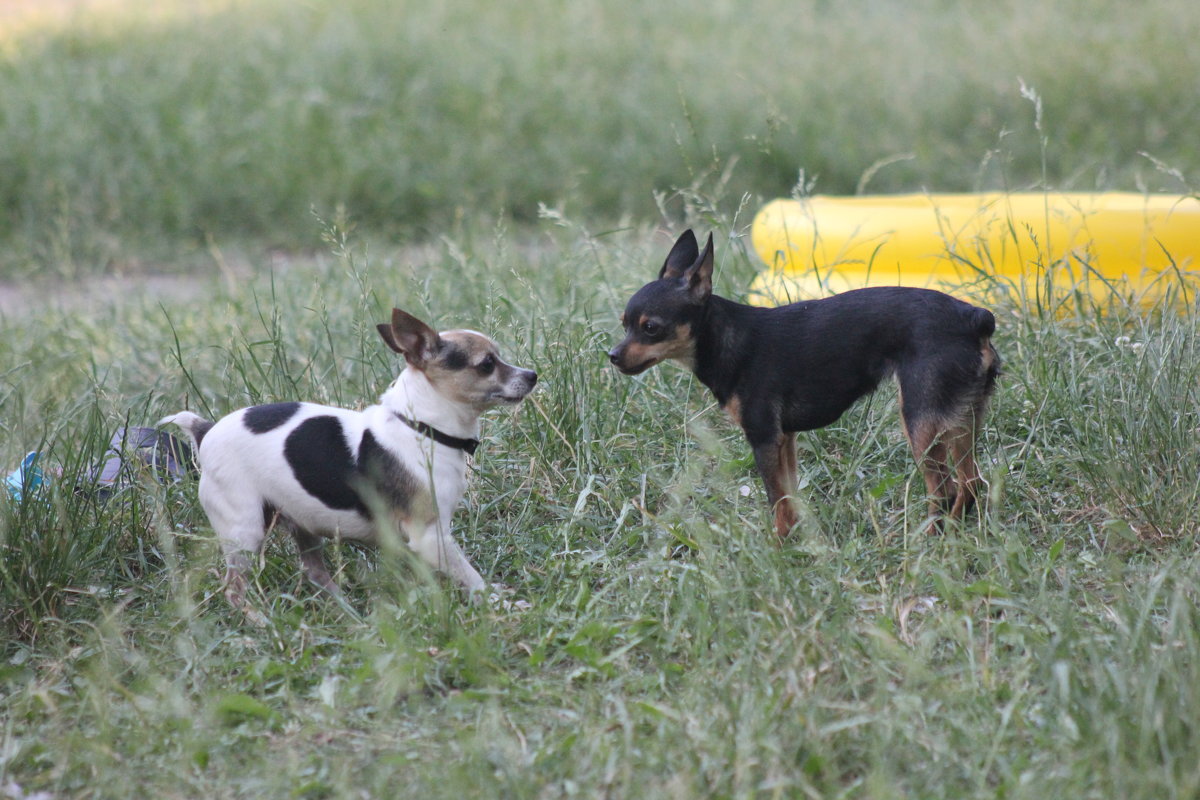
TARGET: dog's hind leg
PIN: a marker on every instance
(240, 522)
(966, 472)
(787, 450)
(930, 451)
(776, 462)
(962, 441)
(237, 567)
(312, 558)
(238, 558)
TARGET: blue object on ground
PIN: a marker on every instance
(27, 477)
(131, 452)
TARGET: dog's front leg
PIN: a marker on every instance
(775, 460)
(438, 549)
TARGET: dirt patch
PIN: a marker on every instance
(19, 15)
(22, 299)
(14, 9)
(200, 280)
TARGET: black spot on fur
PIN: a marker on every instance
(383, 474)
(261, 419)
(322, 462)
(455, 357)
(200, 430)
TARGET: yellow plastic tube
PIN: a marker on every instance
(1049, 244)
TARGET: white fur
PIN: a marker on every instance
(242, 470)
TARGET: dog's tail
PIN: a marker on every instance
(194, 425)
(983, 321)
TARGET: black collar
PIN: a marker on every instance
(466, 445)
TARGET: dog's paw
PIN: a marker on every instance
(501, 597)
(255, 618)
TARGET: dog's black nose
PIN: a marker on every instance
(613, 355)
(532, 377)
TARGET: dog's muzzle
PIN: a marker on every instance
(617, 357)
(518, 386)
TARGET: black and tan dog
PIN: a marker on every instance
(777, 371)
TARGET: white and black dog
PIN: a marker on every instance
(324, 472)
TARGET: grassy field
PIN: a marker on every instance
(1046, 647)
(131, 135)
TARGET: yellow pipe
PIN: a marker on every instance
(1050, 243)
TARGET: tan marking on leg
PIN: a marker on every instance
(734, 409)
(786, 517)
(771, 460)
(961, 443)
(929, 450)
(788, 451)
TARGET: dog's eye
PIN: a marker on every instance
(487, 365)
(651, 328)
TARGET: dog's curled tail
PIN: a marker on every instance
(194, 425)
(983, 321)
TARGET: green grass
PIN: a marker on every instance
(1046, 647)
(128, 137)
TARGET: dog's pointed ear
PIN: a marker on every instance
(682, 256)
(410, 337)
(699, 275)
